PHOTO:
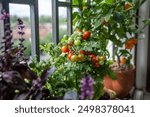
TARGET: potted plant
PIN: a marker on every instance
(81, 59)
(80, 65)
(17, 80)
(115, 19)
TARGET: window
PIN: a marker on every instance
(41, 22)
(34, 21)
(62, 21)
(45, 21)
(24, 14)
(41, 32)
(56, 7)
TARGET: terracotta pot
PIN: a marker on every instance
(123, 84)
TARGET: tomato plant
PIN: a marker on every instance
(85, 51)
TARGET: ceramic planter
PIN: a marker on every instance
(123, 84)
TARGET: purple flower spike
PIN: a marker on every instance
(20, 27)
(7, 39)
(4, 15)
(87, 88)
(21, 32)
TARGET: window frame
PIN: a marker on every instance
(148, 68)
(35, 20)
(33, 4)
(55, 18)
(148, 62)
(141, 54)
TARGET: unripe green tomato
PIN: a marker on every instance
(102, 58)
(81, 57)
(91, 35)
(65, 37)
(74, 58)
(77, 42)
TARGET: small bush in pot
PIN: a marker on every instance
(116, 20)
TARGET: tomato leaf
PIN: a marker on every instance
(98, 90)
(112, 75)
(107, 2)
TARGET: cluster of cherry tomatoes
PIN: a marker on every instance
(81, 55)
(76, 56)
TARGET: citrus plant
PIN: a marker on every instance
(114, 20)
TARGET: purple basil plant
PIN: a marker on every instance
(14, 68)
(87, 91)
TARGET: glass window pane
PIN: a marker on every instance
(23, 12)
(45, 21)
(110, 49)
(45, 24)
(62, 21)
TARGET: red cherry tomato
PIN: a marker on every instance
(69, 56)
(97, 65)
(86, 35)
(81, 52)
(65, 49)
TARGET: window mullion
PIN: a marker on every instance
(5, 4)
(64, 4)
(35, 30)
(69, 18)
(55, 21)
